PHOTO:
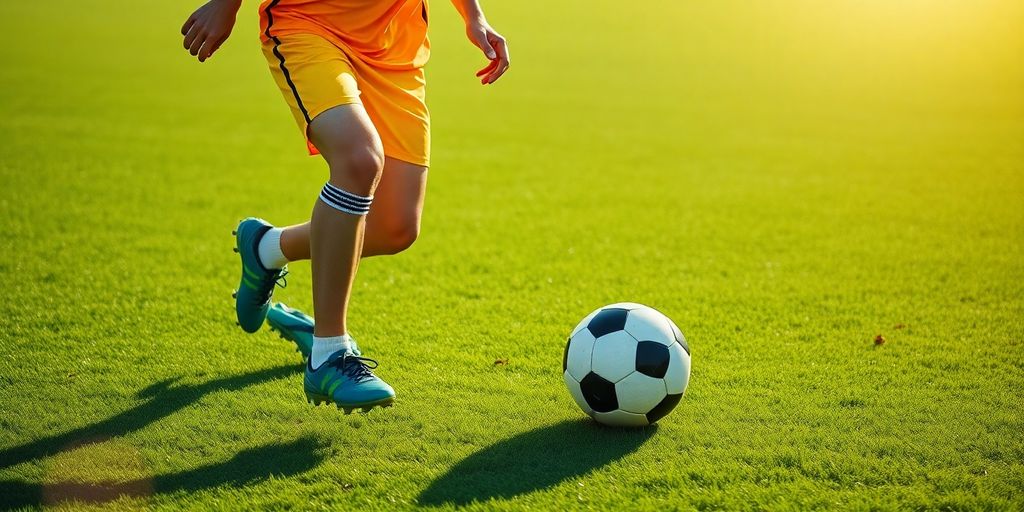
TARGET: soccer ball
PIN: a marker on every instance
(626, 365)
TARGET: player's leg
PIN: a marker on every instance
(394, 101)
(391, 226)
(314, 76)
(349, 143)
(393, 223)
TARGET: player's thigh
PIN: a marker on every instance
(398, 201)
(347, 139)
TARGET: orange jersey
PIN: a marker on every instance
(386, 34)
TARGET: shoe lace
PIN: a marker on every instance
(267, 285)
(355, 367)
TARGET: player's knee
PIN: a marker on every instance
(357, 167)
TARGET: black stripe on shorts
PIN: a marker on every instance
(280, 57)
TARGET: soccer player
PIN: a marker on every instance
(352, 73)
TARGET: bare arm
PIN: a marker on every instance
(208, 27)
(481, 34)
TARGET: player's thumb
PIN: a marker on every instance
(481, 41)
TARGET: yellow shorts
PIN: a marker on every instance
(314, 75)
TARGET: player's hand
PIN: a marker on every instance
(495, 48)
(208, 27)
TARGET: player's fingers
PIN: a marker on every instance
(207, 50)
(197, 44)
(493, 75)
(496, 74)
(210, 48)
(502, 62)
(190, 37)
(489, 77)
(188, 24)
(501, 65)
(488, 68)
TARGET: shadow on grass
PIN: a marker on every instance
(534, 460)
(163, 400)
(247, 467)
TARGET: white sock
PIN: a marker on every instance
(323, 348)
(269, 250)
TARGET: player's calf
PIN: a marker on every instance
(394, 224)
(393, 236)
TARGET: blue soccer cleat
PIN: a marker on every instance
(347, 381)
(252, 300)
(295, 326)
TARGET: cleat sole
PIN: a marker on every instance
(317, 399)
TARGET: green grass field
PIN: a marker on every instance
(785, 179)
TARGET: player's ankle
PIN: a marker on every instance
(326, 346)
(269, 250)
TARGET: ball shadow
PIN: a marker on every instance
(533, 460)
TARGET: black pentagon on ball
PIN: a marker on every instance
(652, 359)
(599, 393)
(664, 407)
(607, 321)
(679, 337)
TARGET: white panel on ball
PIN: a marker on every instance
(581, 346)
(577, 394)
(678, 374)
(619, 418)
(614, 356)
(647, 324)
(586, 320)
(639, 393)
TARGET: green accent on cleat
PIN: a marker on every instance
(256, 286)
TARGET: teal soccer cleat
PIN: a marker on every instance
(252, 300)
(347, 381)
(295, 326)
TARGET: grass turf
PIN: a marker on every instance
(785, 179)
